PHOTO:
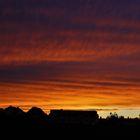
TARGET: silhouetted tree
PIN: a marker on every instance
(37, 115)
(113, 116)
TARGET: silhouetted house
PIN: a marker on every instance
(74, 117)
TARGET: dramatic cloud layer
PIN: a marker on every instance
(70, 53)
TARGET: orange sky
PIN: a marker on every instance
(70, 55)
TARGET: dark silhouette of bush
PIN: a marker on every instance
(37, 116)
(37, 113)
(14, 112)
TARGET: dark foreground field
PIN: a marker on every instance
(14, 123)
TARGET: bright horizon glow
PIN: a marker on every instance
(131, 113)
(58, 95)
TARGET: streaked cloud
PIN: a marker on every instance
(70, 54)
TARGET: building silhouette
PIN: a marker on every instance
(74, 117)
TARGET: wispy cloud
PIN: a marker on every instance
(70, 54)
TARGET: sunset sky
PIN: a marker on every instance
(70, 54)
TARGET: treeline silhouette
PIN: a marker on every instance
(35, 122)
